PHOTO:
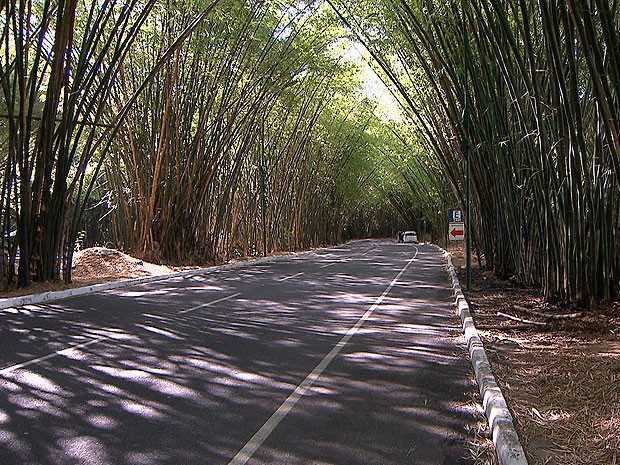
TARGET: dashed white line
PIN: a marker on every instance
(331, 264)
(12, 368)
(290, 277)
(65, 351)
(246, 453)
(208, 304)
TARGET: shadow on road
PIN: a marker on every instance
(166, 388)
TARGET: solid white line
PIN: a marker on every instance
(208, 304)
(368, 251)
(12, 368)
(263, 433)
(290, 277)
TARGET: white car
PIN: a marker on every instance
(410, 237)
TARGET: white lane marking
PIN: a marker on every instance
(351, 256)
(263, 433)
(331, 264)
(12, 368)
(208, 304)
(290, 277)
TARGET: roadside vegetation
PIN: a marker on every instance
(193, 132)
(529, 92)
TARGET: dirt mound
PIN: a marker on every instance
(100, 263)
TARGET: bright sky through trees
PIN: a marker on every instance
(372, 86)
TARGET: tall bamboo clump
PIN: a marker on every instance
(530, 89)
(59, 60)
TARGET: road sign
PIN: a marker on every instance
(455, 216)
(456, 231)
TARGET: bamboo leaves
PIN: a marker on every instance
(68, 55)
(543, 125)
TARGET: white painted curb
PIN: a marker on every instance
(507, 445)
(32, 299)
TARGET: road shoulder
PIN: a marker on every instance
(559, 375)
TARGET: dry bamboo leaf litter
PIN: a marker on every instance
(561, 380)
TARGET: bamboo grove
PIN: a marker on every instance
(529, 92)
(233, 123)
(188, 131)
(59, 63)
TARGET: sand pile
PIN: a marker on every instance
(100, 263)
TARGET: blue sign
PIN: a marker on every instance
(455, 216)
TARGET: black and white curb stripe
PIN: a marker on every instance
(508, 447)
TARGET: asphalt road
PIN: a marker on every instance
(345, 356)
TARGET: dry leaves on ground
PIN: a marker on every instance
(561, 379)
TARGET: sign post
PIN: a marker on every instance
(456, 225)
(468, 217)
(467, 150)
(455, 216)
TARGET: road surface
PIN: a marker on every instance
(349, 355)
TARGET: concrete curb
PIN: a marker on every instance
(32, 299)
(507, 445)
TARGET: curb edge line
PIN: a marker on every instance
(33, 299)
(507, 444)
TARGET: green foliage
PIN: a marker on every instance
(254, 138)
(207, 128)
(530, 91)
